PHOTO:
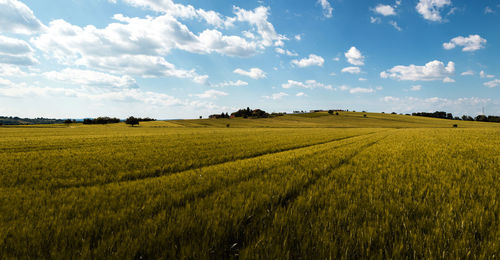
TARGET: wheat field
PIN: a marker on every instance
(313, 186)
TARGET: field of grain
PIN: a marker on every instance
(385, 186)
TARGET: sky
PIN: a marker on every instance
(172, 59)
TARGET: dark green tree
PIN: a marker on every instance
(132, 121)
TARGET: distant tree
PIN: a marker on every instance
(455, 126)
(482, 118)
(364, 115)
(68, 121)
(228, 125)
(132, 121)
(330, 112)
(336, 113)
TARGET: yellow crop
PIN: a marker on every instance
(288, 187)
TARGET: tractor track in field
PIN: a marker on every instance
(289, 199)
(161, 173)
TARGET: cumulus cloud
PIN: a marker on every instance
(91, 78)
(16, 17)
(327, 8)
(471, 43)
(483, 75)
(301, 94)
(16, 52)
(351, 70)
(254, 73)
(312, 60)
(276, 96)
(309, 84)
(354, 56)
(137, 46)
(385, 10)
(431, 9)
(211, 94)
(434, 70)
(238, 83)
(493, 83)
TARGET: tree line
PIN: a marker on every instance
(444, 115)
(244, 113)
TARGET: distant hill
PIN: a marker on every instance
(325, 120)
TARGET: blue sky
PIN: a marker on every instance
(182, 59)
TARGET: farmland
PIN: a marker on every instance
(299, 186)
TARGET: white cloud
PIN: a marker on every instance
(211, 94)
(336, 59)
(5, 82)
(287, 52)
(327, 8)
(493, 83)
(16, 17)
(467, 73)
(312, 60)
(141, 65)
(483, 75)
(352, 70)
(431, 9)
(298, 37)
(395, 25)
(8, 70)
(16, 52)
(361, 90)
(276, 96)
(448, 80)
(362, 79)
(238, 83)
(434, 70)
(333, 74)
(354, 56)
(375, 19)
(137, 46)
(91, 78)
(310, 84)
(471, 43)
(358, 90)
(416, 88)
(301, 94)
(254, 73)
(93, 95)
(385, 10)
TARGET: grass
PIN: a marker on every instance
(287, 187)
